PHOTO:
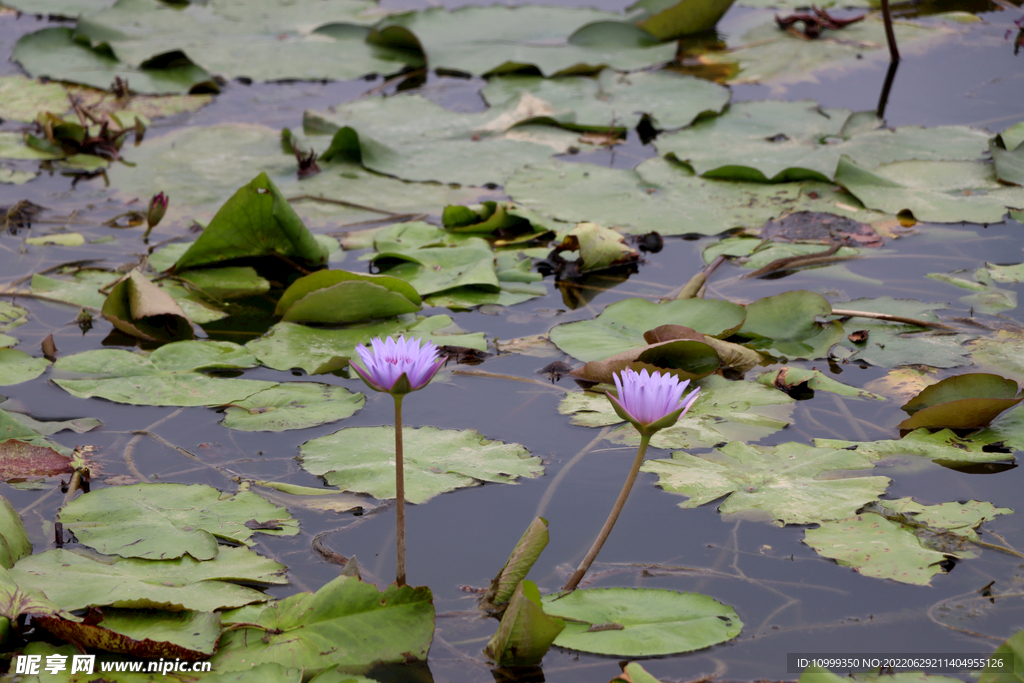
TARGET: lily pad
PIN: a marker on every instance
(79, 579)
(143, 633)
(789, 378)
(16, 427)
(641, 622)
(614, 100)
(943, 446)
(361, 459)
(292, 405)
(554, 40)
(256, 221)
(966, 401)
(23, 460)
(889, 345)
(933, 191)
(14, 543)
(338, 296)
(525, 632)
(11, 316)
(671, 19)
(140, 309)
(171, 375)
(1004, 351)
(319, 350)
(436, 269)
(791, 483)
(22, 98)
(410, 137)
(621, 326)
(230, 282)
(166, 521)
(17, 366)
(309, 630)
(787, 324)
(82, 289)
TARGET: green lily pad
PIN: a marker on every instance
(436, 269)
(787, 483)
(641, 622)
(140, 309)
(466, 298)
(771, 141)
(256, 221)
(14, 146)
(143, 633)
(62, 239)
(10, 176)
(621, 326)
(1004, 351)
(554, 40)
(787, 324)
(966, 401)
(22, 98)
(943, 446)
(230, 282)
(171, 375)
(292, 405)
(615, 99)
(11, 316)
(310, 40)
(361, 459)
(1007, 153)
(648, 198)
(724, 411)
(15, 427)
(308, 630)
(166, 521)
(788, 378)
(338, 296)
(959, 518)
(410, 137)
(55, 53)
(889, 345)
(14, 543)
(933, 191)
(995, 670)
(79, 579)
(82, 289)
(17, 367)
(908, 308)
(526, 632)
(671, 19)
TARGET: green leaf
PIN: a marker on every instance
(933, 191)
(1007, 154)
(231, 282)
(599, 247)
(436, 269)
(23, 428)
(311, 630)
(81, 290)
(621, 326)
(615, 99)
(17, 367)
(519, 38)
(641, 622)
(791, 483)
(889, 345)
(361, 459)
(22, 98)
(1003, 351)
(771, 141)
(170, 376)
(788, 378)
(958, 518)
(526, 632)
(55, 53)
(634, 673)
(140, 309)
(292, 405)
(338, 296)
(79, 579)
(943, 446)
(143, 633)
(317, 350)
(256, 221)
(11, 316)
(967, 401)
(1010, 652)
(410, 137)
(787, 324)
(166, 521)
(667, 21)
(14, 543)
(528, 548)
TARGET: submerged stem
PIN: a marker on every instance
(399, 495)
(577, 576)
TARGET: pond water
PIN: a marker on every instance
(789, 598)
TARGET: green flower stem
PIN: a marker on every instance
(577, 576)
(399, 494)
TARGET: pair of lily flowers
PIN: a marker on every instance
(650, 402)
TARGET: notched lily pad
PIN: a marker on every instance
(292, 405)
(338, 296)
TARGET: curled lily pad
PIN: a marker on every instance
(143, 633)
(338, 296)
(789, 378)
(787, 324)
(139, 308)
(526, 631)
(966, 401)
(679, 351)
(14, 543)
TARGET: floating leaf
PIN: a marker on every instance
(621, 326)
(632, 672)
(292, 496)
(615, 99)
(361, 459)
(436, 269)
(1004, 351)
(337, 296)
(1011, 651)
(958, 518)
(21, 460)
(79, 579)
(170, 376)
(554, 40)
(63, 239)
(166, 521)
(526, 632)
(943, 446)
(83, 289)
(317, 350)
(310, 630)
(789, 378)
(14, 543)
(22, 98)
(966, 401)
(139, 308)
(668, 20)
(256, 221)
(641, 622)
(143, 633)
(791, 483)
(230, 282)
(21, 428)
(17, 366)
(889, 345)
(1007, 153)
(787, 324)
(292, 405)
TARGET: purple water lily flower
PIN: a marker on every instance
(651, 401)
(398, 367)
